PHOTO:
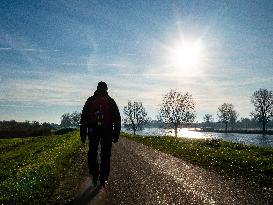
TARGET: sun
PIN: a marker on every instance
(186, 56)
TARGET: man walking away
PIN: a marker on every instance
(100, 120)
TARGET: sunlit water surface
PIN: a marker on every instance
(250, 139)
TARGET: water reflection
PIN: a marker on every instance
(185, 132)
(251, 139)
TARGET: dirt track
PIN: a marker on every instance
(141, 175)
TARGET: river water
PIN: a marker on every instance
(250, 139)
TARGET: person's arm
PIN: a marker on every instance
(83, 121)
(117, 122)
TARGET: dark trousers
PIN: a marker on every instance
(104, 138)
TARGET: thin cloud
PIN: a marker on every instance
(79, 64)
(19, 106)
(95, 64)
(36, 50)
(28, 49)
(114, 65)
(131, 54)
(5, 49)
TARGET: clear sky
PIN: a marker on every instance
(53, 53)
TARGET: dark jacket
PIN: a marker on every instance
(115, 115)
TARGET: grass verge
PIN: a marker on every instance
(251, 164)
(7, 144)
(31, 171)
(70, 179)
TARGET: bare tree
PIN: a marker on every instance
(227, 114)
(208, 119)
(135, 116)
(233, 118)
(66, 120)
(71, 120)
(177, 109)
(262, 100)
(75, 119)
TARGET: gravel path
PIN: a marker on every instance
(141, 175)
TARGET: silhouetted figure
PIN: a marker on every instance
(100, 120)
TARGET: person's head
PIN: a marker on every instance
(102, 86)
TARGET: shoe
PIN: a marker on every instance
(95, 180)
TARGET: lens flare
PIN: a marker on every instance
(185, 57)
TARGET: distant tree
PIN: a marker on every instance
(54, 126)
(24, 129)
(35, 124)
(262, 100)
(135, 116)
(71, 120)
(226, 114)
(46, 125)
(152, 123)
(66, 120)
(233, 118)
(245, 123)
(177, 109)
(75, 119)
(208, 119)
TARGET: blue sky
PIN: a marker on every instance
(53, 54)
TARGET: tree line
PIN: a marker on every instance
(262, 100)
(25, 129)
(178, 109)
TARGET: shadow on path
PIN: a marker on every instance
(90, 195)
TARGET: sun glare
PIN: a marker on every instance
(186, 56)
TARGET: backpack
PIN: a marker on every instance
(100, 111)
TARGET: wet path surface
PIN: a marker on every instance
(141, 175)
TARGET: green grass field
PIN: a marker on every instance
(7, 144)
(251, 164)
(31, 167)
